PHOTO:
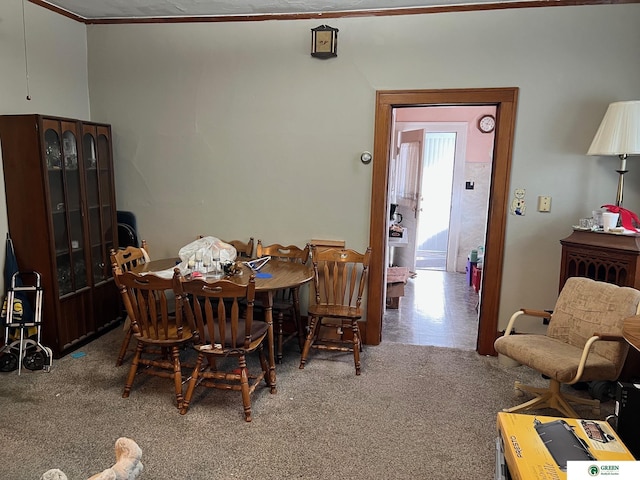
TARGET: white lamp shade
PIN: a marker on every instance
(619, 132)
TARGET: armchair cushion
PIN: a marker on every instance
(556, 359)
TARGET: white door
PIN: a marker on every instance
(432, 242)
(407, 191)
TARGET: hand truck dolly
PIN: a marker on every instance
(25, 350)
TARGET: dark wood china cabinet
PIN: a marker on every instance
(61, 209)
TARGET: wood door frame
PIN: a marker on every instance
(505, 100)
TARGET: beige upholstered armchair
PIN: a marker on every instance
(583, 342)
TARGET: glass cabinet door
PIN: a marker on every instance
(107, 202)
(61, 156)
(97, 166)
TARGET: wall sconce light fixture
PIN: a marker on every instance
(324, 42)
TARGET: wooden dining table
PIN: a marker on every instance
(273, 276)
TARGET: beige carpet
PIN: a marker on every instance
(415, 412)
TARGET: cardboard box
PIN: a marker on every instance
(394, 292)
(529, 457)
(396, 280)
(395, 289)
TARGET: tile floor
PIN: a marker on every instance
(439, 308)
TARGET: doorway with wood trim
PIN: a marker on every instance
(505, 101)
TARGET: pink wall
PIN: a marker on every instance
(479, 145)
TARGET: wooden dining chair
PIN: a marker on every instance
(286, 302)
(244, 249)
(128, 258)
(159, 334)
(340, 278)
(214, 309)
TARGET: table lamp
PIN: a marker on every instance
(619, 134)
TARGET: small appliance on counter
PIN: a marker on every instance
(396, 217)
(395, 230)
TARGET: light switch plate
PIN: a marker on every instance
(544, 203)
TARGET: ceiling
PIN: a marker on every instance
(84, 10)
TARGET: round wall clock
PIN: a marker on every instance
(487, 123)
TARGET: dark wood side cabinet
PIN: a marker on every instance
(607, 257)
(61, 209)
(602, 256)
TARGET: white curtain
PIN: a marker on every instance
(407, 171)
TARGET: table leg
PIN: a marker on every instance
(268, 314)
(302, 333)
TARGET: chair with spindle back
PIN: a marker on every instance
(340, 278)
(214, 309)
(244, 249)
(128, 258)
(160, 335)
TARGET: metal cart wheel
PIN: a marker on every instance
(8, 362)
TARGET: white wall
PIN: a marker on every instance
(235, 130)
(57, 68)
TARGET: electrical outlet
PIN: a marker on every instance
(544, 203)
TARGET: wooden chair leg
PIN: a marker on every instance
(177, 375)
(356, 345)
(264, 364)
(313, 332)
(244, 388)
(298, 318)
(192, 384)
(280, 335)
(124, 347)
(132, 370)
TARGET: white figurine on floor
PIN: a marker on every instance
(127, 466)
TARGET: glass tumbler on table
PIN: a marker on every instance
(206, 264)
(198, 257)
(216, 265)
